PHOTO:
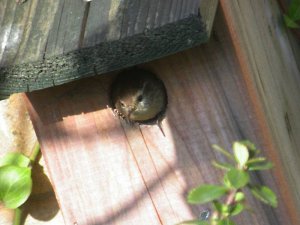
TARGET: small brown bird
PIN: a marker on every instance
(139, 96)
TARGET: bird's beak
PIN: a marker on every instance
(131, 110)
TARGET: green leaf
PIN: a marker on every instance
(290, 23)
(15, 158)
(217, 206)
(264, 194)
(15, 185)
(193, 222)
(236, 209)
(251, 147)
(253, 151)
(223, 151)
(241, 153)
(237, 178)
(294, 10)
(225, 222)
(223, 166)
(206, 193)
(239, 196)
(225, 209)
(259, 166)
(257, 159)
(221, 208)
(227, 182)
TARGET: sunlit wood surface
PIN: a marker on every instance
(107, 172)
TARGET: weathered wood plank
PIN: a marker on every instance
(45, 37)
(106, 172)
(270, 68)
(37, 26)
(12, 26)
(105, 28)
(207, 10)
(65, 31)
(104, 57)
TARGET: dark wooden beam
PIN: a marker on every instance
(46, 44)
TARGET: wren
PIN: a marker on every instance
(138, 96)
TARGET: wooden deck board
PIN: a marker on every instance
(107, 172)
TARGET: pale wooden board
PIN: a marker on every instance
(106, 172)
(271, 68)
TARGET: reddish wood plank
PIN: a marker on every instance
(271, 68)
(106, 172)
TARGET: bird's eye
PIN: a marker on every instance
(122, 104)
(140, 98)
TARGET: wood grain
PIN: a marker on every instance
(271, 69)
(47, 43)
(107, 172)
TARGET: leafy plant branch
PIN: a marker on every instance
(228, 199)
(292, 16)
(16, 181)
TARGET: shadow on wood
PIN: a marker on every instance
(42, 204)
